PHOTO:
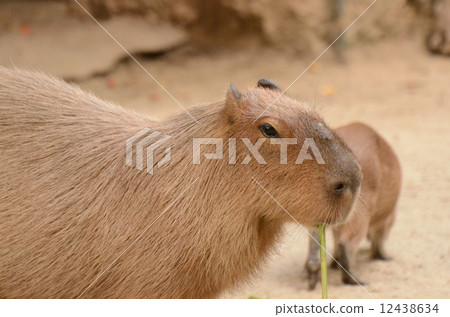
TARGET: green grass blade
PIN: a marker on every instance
(323, 261)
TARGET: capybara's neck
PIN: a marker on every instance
(218, 240)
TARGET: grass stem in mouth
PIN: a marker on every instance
(323, 261)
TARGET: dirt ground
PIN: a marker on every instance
(396, 87)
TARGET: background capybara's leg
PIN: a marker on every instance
(378, 233)
(347, 239)
(312, 264)
(348, 277)
(336, 252)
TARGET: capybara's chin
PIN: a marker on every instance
(344, 212)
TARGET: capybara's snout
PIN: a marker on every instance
(348, 178)
(343, 183)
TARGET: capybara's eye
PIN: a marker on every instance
(269, 131)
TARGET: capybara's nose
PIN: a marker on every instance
(349, 180)
(339, 188)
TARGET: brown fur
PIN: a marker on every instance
(69, 205)
(375, 212)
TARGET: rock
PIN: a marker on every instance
(78, 50)
(438, 39)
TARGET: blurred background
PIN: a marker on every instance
(391, 70)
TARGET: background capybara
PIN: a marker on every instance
(375, 210)
(70, 206)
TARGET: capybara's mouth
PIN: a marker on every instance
(336, 218)
(343, 215)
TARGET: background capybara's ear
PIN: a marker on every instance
(232, 102)
(267, 83)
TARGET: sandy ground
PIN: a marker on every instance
(397, 88)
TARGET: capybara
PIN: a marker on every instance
(375, 209)
(77, 219)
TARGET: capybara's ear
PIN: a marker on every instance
(267, 83)
(232, 102)
(233, 93)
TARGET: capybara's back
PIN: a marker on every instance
(61, 171)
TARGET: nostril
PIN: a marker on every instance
(339, 187)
